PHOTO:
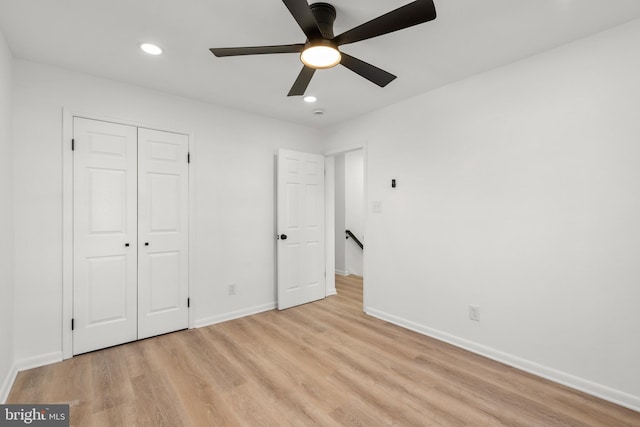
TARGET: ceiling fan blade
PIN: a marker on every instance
(257, 50)
(301, 83)
(366, 70)
(300, 11)
(406, 16)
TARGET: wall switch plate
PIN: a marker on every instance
(474, 313)
(232, 289)
(376, 206)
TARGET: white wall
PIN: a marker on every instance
(354, 211)
(340, 186)
(234, 163)
(6, 224)
(519, 192)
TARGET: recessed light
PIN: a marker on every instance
(318, 112)
(310, 98)
(151, 49)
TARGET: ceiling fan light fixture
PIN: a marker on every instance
(321, 54)
(151, 49)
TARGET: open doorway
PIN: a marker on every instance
(348, 214)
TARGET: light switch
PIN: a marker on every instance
(376, 206)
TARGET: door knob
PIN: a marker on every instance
(146, 243)
(126, 245)
(283, 237)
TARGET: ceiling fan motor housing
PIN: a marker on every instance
(325, 15)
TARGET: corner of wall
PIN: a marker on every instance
(7, 277)
(6, 385)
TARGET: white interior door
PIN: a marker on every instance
(163, 185)
(301, 252)
(105, 232)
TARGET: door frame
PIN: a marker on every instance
(330, 225)
(67, 214)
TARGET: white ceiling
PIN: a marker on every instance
(101, 37)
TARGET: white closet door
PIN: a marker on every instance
(105, 231)
(163, 232)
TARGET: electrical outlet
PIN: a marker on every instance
(474, 313)
(232, 289)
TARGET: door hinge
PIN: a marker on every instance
(73, 144)
(72, 324)
(188, 302)
(188, 157)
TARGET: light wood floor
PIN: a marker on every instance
(324, 363)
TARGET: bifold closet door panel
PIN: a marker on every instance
(105, 235)
(163, 186)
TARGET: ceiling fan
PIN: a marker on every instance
(321, 49)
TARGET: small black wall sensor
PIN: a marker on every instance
(393, 183)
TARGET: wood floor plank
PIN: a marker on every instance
(195, 385)
(111, 385)
(324, 364)
(274, 373)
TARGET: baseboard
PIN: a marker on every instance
(37, 361)
(342, 272)
(598, 390)
(331, 292)
(208, 321)
(5, 388)
(23, 365)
